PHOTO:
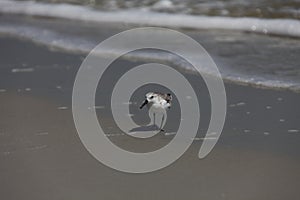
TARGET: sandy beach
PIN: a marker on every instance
(42, 157)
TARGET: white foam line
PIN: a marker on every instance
(42, 133)
(127, 103)
(18, 70)
(211, 134)
(96, 107)
(241, 104)
(279, 99)
(38, 147)
(171, 133)
(62, 108)
(286, 27)
(114, 134)
(204, 138)
(237, 104)
(293, 131)
(2, 90)
(99, 107)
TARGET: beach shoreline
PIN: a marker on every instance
(42, 157)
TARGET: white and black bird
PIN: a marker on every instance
(157, 104)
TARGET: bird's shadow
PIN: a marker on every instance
(152, 127)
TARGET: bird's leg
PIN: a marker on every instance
(153, 119)
(162, 122)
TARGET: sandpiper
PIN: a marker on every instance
(157, 103)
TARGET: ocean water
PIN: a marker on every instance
(233, 8)
(252, 42)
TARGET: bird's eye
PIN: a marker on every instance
(151, 97)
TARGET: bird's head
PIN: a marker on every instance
(150, 98)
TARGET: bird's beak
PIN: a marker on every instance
(144, 103)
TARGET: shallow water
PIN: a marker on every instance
(252, 59)
(240, 8)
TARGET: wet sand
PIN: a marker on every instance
(41, 156)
